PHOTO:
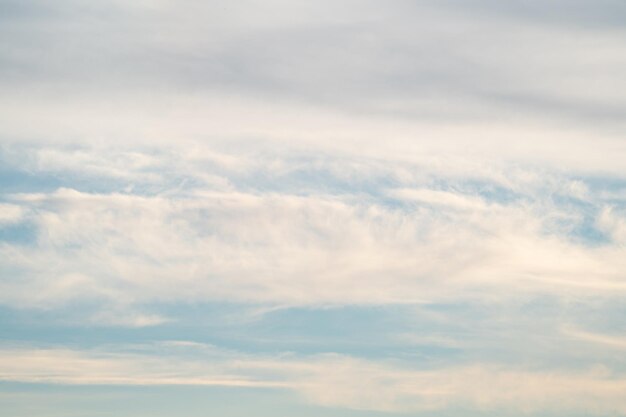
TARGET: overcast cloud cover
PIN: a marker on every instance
(339, 208)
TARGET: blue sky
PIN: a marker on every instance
(273, 208)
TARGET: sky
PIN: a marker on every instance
(312, 208)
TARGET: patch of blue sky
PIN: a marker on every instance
(370, 190)
(606, 315)
(23, 172)
(491, 192)
(366, 332)
(604, 183)
(363, 331)
(425, 335)
(22, 181)
(530, 332)
(581, 225)
(29, 181)
(587, 232)
(22, 233)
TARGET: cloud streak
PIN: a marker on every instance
(330, 380)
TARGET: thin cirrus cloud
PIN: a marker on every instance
(387, 207)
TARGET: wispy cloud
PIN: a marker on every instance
(290, 249)
(330, 380)
(606, 340)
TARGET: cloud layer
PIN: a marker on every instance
(329, 380)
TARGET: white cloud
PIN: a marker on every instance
(10, 213)
(604, 340)
(613, 223)
(440, 198)
(298, 250)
